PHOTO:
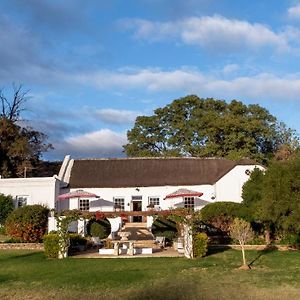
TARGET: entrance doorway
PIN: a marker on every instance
(137, 206)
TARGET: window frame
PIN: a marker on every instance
(119, 201)
(155, 203)
(21, 200)
(84, 206)
(189, 202)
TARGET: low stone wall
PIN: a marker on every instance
(254, 247)
(24, 246)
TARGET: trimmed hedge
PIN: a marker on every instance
(200, 241)
(99, 228)
(51, 245)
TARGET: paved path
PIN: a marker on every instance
(167, 252)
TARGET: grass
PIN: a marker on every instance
(29, 275)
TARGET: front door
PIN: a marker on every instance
(137, 206)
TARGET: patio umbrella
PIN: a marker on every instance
(77, 194)
(183, 193)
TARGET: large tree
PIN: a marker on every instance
(273, 197)
(20, 147)
(192, 126)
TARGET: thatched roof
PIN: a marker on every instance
(142, 172)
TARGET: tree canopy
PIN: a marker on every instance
(192, 126)
(273, 197)
(20, 147)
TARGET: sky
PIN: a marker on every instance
(92, 66)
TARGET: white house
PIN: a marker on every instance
(29, 191)
(132, 184)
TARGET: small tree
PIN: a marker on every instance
(6, 207)
(242, 231)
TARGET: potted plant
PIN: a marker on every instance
(117, 207)
(150, 206)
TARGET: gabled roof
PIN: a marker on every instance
(142, 172)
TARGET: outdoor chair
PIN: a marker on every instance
(160, 241)
(97, 242)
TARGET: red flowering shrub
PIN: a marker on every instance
(100, 215)
(27, 223)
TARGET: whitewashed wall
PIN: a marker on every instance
(107, 195)
(229, 187)
(39, 190)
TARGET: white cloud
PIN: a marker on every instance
(260, 86)
(230, 68)
(116, 116)
(294, 12)
(215, 33)
(104, 142)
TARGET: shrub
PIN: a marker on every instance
(27, 223)
(200, 241)
(51, 246)
(77, 240)
(6, 207)
(165, 227)
(290, 239)
(2, 230)
(51, 243)
(98, 231)
(99, 228)
(220, 214)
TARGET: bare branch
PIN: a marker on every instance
(11, 109)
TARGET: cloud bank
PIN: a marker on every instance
(213, 33)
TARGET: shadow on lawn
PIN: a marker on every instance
(29, 254)
(216, 249)
(169, 291)
(266, 251)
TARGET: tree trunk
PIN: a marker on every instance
(244, 257)
(268, 236)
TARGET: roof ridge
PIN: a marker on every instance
(153, 158)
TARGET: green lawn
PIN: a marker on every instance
(29, 275)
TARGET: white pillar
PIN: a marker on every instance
(52, 224)
(188, 241)
(81, 227)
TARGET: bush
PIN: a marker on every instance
(290, 240)
(168, 234)
(98, 231)
(77, 240)
(99, 228)
(28, 223)
(220, 214)
(200, 241)
(51, 246)
(6, 207)
(2, 230)
(165, 227)
(51, 243)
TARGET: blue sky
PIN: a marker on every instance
(93, 66)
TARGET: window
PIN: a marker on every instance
(21, 200)
(84, 204)
(153, 201)
(136, 197)
(119, 203)
(189, 202)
